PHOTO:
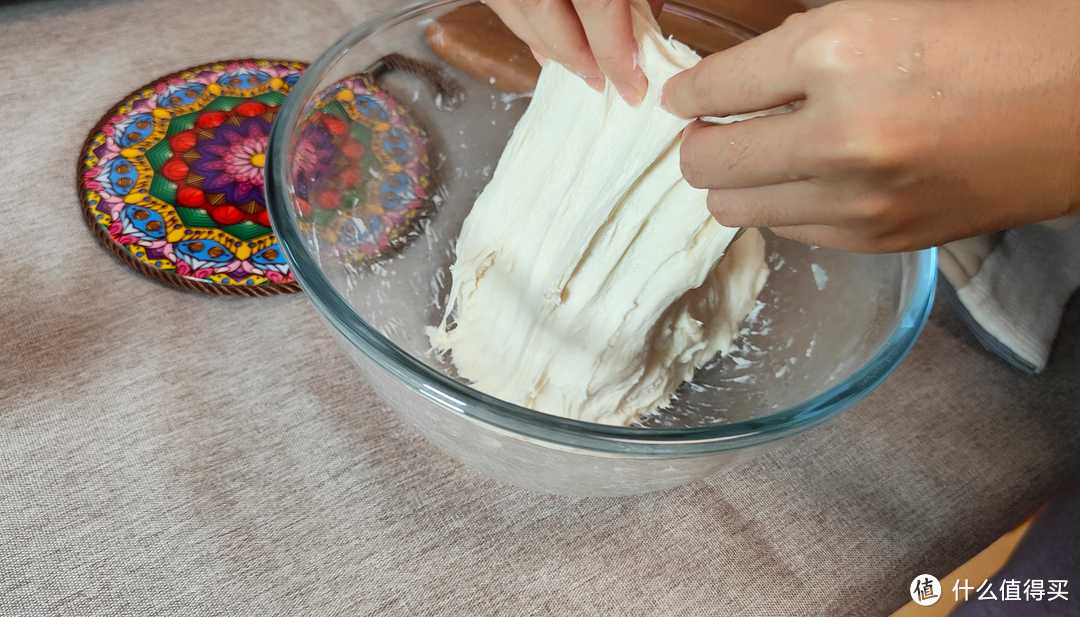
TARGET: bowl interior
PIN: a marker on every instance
(822, 316)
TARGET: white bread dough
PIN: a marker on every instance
(586, 283)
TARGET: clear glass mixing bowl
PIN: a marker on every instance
(831, 327)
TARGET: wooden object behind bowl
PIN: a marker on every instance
(473, 39)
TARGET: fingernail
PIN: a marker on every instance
(663, 101)
(542, 61)
(629, 94)
(596, 83)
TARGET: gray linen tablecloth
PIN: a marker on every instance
(168, 453)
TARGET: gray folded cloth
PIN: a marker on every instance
(1011, 288)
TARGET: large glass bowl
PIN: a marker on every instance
(832, 325)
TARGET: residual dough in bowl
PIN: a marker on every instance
(588, 281)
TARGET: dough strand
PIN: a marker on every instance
(586, 282)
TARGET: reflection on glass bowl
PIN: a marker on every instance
(372, 251)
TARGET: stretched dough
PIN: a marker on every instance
(586, 282)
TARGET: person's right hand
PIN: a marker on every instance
(921, 122)
(593, 38)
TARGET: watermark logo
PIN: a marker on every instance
(1013, 590)
(925, 590)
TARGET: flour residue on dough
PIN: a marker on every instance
(821, 278)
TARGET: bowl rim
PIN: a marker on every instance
(496, 414)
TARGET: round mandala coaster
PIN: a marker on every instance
(171, 180)
(361, 170)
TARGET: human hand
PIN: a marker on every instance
(593, 38)
(922, 122)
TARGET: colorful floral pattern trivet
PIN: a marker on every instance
(172, 179)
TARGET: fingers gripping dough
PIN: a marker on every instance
(586, 283)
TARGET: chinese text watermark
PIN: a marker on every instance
(1013, 590)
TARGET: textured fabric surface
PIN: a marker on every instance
(1021, 290)
(961, 260)
(167, 453)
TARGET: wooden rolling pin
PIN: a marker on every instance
(473, 39)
